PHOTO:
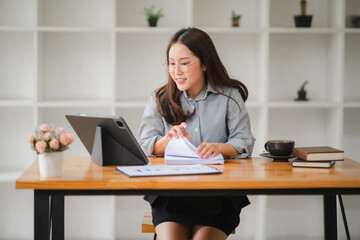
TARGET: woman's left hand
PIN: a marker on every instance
(206, 150)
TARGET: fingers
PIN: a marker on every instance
(179, 131)
(183, 125)
(206, 150)
(188, 136)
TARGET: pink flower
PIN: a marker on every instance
(40, 146)
(54, 144)
(64, 139)
(30, 138)
(71, 137)
(47, 136)
(31, 141)
(61, 130)
(44, 128)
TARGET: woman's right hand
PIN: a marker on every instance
(178, 131)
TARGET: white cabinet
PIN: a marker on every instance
(216, 14)
(19, 13)
(100, 57)
(78, 13)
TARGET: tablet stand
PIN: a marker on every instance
(107, 151)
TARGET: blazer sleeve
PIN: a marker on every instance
(238, 123)
(152, 127)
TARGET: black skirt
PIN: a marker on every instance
(222, 212)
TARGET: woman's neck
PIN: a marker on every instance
(194, 92)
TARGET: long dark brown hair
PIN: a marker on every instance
(201, 45)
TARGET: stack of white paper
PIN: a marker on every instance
(181, 151)
(164, 170)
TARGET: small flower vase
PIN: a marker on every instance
(50, 164)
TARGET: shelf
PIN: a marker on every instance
(355, 104)
(351, 68)
(244, 61)
(304, 57)
(352, 7)
(74, 103)
(86, 13)
(133, 71)
(131, 104)
(303, 104)
(253, 104)
(10, 176)
(16, 103)
(75, 66)
(231, 30)
(171, 30)
(325, 13)
(44, 29)
(308, 127)
(305, 30)
(168, 30)
(16, 124)
(16, 29)
(352, 31)
(17, 50)
(17, 13)
(132, 15)
(56, 115)
(351, 137)
(209, 13)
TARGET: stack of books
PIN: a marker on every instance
(318, 157)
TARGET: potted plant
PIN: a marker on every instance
(235, 18)
(49, 143)
(355, 21)
(303, 20)
(153, 15)
(302, 92)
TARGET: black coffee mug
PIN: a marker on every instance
(280, 147)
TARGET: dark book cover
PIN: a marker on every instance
(319, 153)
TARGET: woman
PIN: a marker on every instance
(202, 103)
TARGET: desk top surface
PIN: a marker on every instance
(81, 173)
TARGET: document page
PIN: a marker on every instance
(181, 151)
(163, 170)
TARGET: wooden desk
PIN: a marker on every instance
(81, 176)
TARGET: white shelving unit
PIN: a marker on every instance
(100, 57)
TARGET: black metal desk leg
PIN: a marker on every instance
(330, 219)
(57, 216)
(41, 215)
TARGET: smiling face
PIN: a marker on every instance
(186, 70)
